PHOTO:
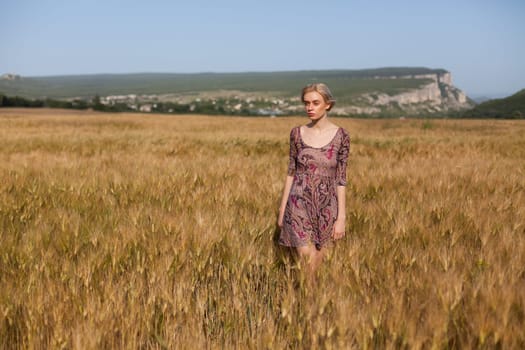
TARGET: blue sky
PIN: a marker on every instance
(482, 43)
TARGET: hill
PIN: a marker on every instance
(369, 91)
(509, 107)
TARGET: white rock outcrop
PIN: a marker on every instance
(438, 95)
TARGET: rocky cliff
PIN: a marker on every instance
(436, 94)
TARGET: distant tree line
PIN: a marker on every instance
(17, 101)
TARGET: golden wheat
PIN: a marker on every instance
(150, 231)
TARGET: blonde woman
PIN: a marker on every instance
(312, 211)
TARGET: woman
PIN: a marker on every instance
(312, 211)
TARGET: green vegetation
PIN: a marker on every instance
(512, 107)
(17, 101)
(344, 83)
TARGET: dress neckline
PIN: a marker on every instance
(307, 145)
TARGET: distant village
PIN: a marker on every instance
(235, 104)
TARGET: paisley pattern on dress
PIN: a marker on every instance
(311, 209)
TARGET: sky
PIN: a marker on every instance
(481, 42)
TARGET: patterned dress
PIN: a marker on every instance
(311, 209)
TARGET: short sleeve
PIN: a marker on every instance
(342, 159)
(292, 163)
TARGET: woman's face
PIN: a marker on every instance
(315, 105)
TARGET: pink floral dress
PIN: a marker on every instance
(311, 209)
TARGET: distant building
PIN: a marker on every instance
(10, 76)
(145, 108)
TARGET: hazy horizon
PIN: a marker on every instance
(483, 96)
(479, 42)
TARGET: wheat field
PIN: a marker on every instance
(158, 232)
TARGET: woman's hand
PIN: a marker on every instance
(339, 228)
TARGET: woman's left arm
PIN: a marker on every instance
(340, 222)
(342, 158)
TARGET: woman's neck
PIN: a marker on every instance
(320, 124)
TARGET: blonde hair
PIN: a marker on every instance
(322, 90)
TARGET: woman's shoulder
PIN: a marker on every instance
(342, 131)
(295, 130)
(344, 136)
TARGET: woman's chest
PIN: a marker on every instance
(313, 159)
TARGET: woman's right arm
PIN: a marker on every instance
(284, 200)
(291, 172)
